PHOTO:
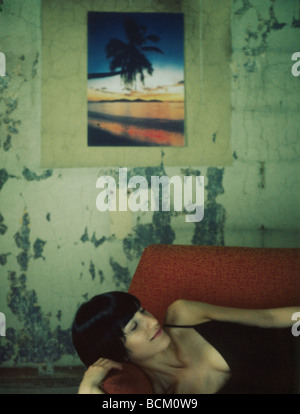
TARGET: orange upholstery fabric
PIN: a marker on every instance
(226, 276)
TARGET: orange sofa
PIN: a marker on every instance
(227, 276)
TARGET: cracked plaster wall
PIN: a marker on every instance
(57, 250)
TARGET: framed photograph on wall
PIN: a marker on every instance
(135, 79)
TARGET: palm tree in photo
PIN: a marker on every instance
(128, 59)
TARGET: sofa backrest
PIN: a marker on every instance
(226, 276)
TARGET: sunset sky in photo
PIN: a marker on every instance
(167, 81)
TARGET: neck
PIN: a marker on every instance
(163, 369)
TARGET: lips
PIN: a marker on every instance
(158, 333)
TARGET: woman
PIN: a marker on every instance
(201, 349)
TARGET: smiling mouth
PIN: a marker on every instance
(158, 333)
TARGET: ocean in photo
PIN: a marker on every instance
(137, 123)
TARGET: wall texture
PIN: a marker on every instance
(56, 249)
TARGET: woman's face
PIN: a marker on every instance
(144, 336)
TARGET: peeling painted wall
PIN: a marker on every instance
(57, 250)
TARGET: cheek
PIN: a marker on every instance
(135, 343)
(141, 348)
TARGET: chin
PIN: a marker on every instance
(163, 342)
(158, 345)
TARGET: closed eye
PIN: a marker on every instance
(141, 310)
(134, 327)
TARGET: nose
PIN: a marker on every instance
(150, 321)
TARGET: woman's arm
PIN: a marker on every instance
(184, 312)
(95, 374)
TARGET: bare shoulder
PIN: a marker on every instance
(180, 313)
(175, 312)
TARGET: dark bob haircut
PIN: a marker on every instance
(97, 330)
